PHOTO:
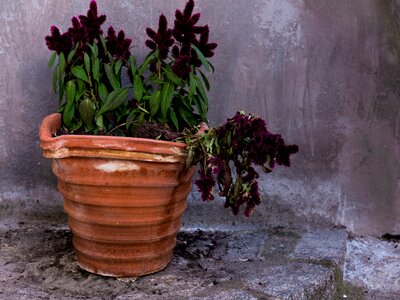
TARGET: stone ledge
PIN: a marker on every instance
(38, 262)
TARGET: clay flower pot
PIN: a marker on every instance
(124, 198)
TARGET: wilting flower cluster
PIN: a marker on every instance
(215, 164)
(184, 34)
(244, 141)
(205, 184)
(87, 30)
(249, 194)
(251, 137)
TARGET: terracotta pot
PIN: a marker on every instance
(124, 198)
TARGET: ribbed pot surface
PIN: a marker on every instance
(124, 198)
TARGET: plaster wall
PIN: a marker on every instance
(323, 73)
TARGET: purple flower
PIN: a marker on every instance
(284, 152)
(118, 46)
(79, 35)
(203, 45)
(93, 22)
(246, 141)
(162, 39)
(205, 185)
(181, 66)
(215, 164)
(78, 32)
(185, 33)
(61, 43)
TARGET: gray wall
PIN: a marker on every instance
(323, 73)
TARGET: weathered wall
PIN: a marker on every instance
(324, 73)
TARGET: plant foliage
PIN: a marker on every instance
(169, 87)
(167, 90)
(242, 143)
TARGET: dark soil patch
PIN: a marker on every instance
(148, 130)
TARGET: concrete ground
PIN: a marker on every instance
(37, 261)
(373, 265)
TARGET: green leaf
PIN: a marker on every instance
(69, 110)
(114, 100)
(192, 85)
(203, 60)
(61, 108)
(87, 110)
(166, 97)
(70, 90)
(138, 88)
(103, 93)
(103, 43)
(111, 77)
(100, 123)
(95, 50)
(80, 88)
(72, 54)
(52, 59)
(96, 69)
(147, 61)
(171, 76)
(133, 65)
(212, 66)
(117, 66)
(86, 60)
(60, 88)
(79, 72)
(60, 92)
(200, 90)
(61, 62)
(205, 80)
(55, 79)
(199, 101)
(174, 119)
(154, 103)
(110, 58)
(77, 125)
(187, 116)
(156, 81)
(135, 119)
(130, 118)
(68, 115)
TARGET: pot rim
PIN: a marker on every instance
(90, 145)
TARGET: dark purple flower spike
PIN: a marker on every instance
(187, 33)
(184, 26)
(79, 35)
(204, 46)
(182, 67)
(93, 22)
(162, 39)
(118, 45)
(61, 43)
(83, 30)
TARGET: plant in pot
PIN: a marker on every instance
(127, 136)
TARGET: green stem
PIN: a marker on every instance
(144, 110)
(91, 89)
(159, 67)
(123, 124)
